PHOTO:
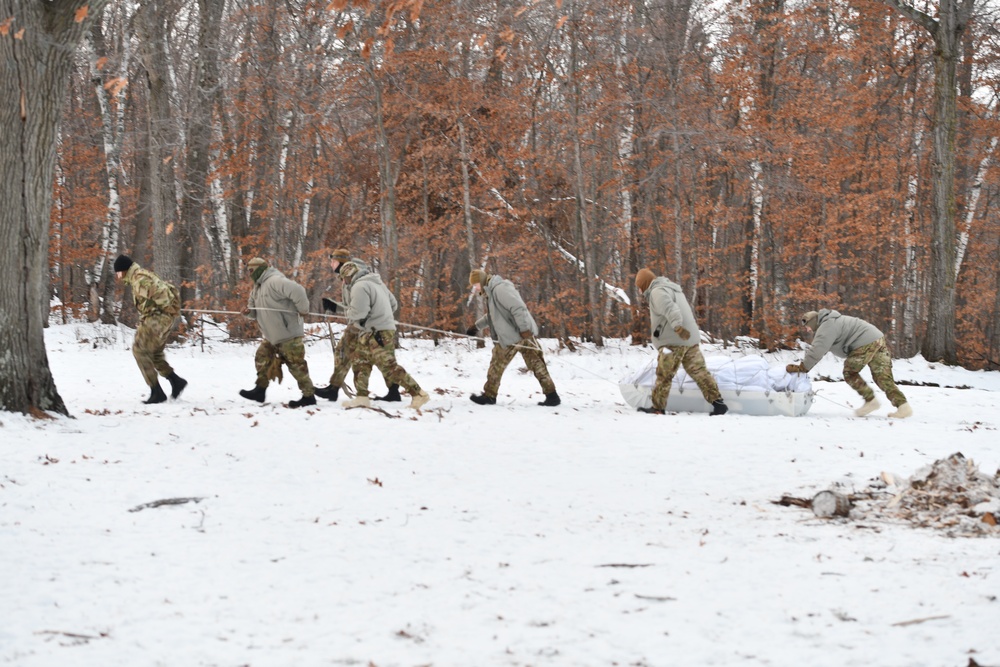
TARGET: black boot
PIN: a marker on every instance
(483, 399)
(302, 402)
(651, 411)
(393, 395)
(329, 393)
(177, 384)
(719, 408)
(551, 399)
(255, 394)
(156, 395)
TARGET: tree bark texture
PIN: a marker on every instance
(36, 55)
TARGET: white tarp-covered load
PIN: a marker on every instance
(748, 385)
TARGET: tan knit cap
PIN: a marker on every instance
(811, 319)
(477, 276)
(341, 255)
(643, 279)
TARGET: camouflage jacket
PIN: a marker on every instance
(151, 294)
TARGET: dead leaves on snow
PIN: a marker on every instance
(951, 495)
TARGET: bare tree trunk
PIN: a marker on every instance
(38, 59)
(946, 31)
(973, 201)
(170, 244)
(470, 237)
(196, 208)
(113, 131)
(389, 250)
(589, 269)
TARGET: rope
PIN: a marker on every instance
(842, 405)
(518, 346)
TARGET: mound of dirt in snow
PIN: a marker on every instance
(951, 495)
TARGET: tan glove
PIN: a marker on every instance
(525, 334)
(795, 368)
(682, 332)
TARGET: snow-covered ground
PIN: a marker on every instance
(513, 534)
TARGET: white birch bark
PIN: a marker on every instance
(112, 131)
(624, 156)
(614, 292)
(973, 199)
(911, 281)
(757, 204)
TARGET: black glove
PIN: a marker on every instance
(329, 306)
(378, 339)
(656, 334)
(472, 331)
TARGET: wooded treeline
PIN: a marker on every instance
(772, 157)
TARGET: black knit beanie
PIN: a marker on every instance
(123, 263)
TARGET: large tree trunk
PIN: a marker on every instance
(946, 31)
(196, 210)
(590, 272)
(37, 56)
(388, 170)
(170, 243)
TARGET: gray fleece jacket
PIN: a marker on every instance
(506, 314)
(371, 304)
(286, 302)
(669, 308)
(840, 334)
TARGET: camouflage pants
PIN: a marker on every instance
(876, 356)
(368, 351)
(694, 363)
(531, 352)
(147, 348)
(292, 353)
(342, 355)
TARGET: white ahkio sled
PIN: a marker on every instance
(747, 384)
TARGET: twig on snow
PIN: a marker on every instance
(915, 621)
(373, 408)
(166, 501)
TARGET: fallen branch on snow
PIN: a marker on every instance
(166, 501)
(915, 621)
(374, 409)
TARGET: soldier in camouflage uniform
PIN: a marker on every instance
(860, 344)
(159, 305)
(676, 336)
(341, 355)
(372, 328)
(278, 305)
(513, 330)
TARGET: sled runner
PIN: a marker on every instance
(748, 386)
